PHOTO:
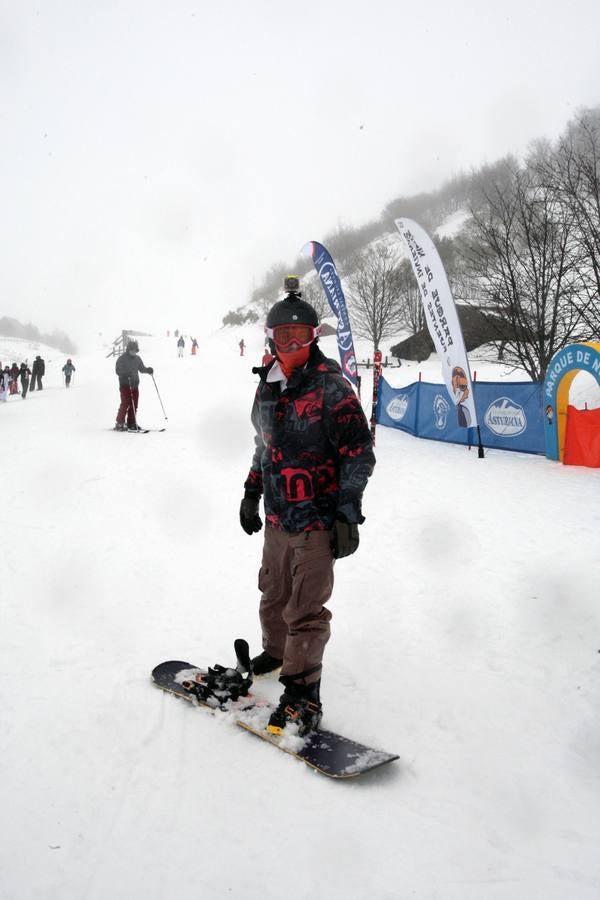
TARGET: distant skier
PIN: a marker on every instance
(68, 370)
(128, 368)
(13, 387)
(180, 346)
(4, 380)
(312, 460)
(242, 347)
(194, 347)
(24, 374)
(38, 370)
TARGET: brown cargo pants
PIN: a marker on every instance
(296, 580)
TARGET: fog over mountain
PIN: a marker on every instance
(57, 338)
(156, 160)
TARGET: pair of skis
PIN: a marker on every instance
(138, 430)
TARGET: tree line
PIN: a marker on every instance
(528, 259)
(10, 327)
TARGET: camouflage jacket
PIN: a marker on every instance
(314, 451)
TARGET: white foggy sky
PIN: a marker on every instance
(156, 158)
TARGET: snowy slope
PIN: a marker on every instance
(19, 350)
(465, 637)
(453, 224)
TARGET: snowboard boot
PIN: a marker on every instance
(299, 705)
(265, 663)
(120, 427)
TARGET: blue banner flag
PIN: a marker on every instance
(332, 286)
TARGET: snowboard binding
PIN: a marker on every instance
(220, 684)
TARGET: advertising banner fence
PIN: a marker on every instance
(510, 414)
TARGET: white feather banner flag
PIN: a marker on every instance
(442, 318)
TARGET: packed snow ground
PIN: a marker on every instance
(466, 633)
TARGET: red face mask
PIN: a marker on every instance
(292, 360)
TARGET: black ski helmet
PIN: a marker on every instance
(133, 345)
(292, 310)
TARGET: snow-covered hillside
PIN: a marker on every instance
(453, 224)
(466, 632)
(19, 350)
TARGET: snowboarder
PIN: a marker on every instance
(180, 346)
(242, 347)
(68, 370)
(128, 366)
(312, 460)
(24, 374)
(38, 370)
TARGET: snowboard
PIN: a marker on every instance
(324, 751)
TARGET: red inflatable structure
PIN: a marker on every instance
(582, 438)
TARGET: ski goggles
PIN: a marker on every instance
(287, 336)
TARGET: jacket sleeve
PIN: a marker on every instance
(349, 432)
(254, 482)
(120, 366)
(141, 366)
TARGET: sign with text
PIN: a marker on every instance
(442, 319)
(332, 286)
(510, 414)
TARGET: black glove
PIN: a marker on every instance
(150, 370)
(344, 538)
(249, 517)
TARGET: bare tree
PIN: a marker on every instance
(412, 314)
(267, 294)
(572, 172)
(314, 294)
(373, 291)
(517, 256)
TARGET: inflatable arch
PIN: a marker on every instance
(563, 368)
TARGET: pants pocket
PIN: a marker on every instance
(263, 578)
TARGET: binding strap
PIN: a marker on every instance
(295, 679)
(218, 685)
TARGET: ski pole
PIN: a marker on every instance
(161, 403)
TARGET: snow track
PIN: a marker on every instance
(465, 637)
